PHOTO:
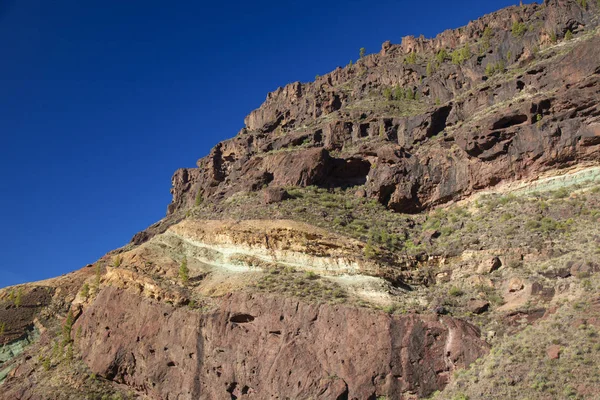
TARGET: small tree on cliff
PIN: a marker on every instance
(19, 297)
(67, 327)
(361, 52)
(184, 272)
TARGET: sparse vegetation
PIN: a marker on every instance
(85, 290)
(460, 56)
(198, 199)
(494, 68)
(411, 58)
(568, 35)
(19, 297)
(117, 261)
(518, 29)
(387, 93)
(361, 53)
(430, 69)
(97, 277)
(68, 327)
(441, 56)
(184, 272)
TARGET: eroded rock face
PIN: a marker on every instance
(255, 346)
(467, 131)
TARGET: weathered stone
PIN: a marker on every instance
(515, 284)
(489, 266)
(271, 346)
(275, 195)
(478, 306)
(553, 352)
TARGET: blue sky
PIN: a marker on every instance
(101, 101)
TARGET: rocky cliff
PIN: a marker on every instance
(426, 121)
(423, 223)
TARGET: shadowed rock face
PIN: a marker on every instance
(541, 112)
(255, 346)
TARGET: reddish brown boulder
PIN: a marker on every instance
(553, 352)
(275, 195)
(478, 306)
(489, 266)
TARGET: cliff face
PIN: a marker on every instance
(252, 346)
(423, 222)
(426, 121)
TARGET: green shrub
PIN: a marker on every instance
(387, 93)
(85, 290)
(184, 272)
(311, 275)
(117, 261)
(18, 298)
(411, 58)
(519, 29)
(361, 52)
(582, 3)
(97, 277)
(441, 56)
(429, 70)
(398, 93)
(560, 193)
(2, 328)
(461, 55)
(569, 35)
(460, 396)
(198, 199)
(492, 69)
(67, 327)
(455, 291)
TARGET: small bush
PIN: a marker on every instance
(311, 275)
(387, 93)
(67, 327)
(85, 290)
(184, 272)
(18, 298)
(461, 55)
(455, 291)
(460, 396)
(441, 56)
(361, 52)
(198, 199)
(429, 70)
(569, 35)
(518, 29)
(117, 261)
(411, 58)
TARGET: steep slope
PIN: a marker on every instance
(422, 223)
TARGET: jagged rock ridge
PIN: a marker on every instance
(516, 103)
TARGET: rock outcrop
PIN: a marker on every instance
(417, 129)
(257, 347)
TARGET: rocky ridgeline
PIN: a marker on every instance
(426, 121)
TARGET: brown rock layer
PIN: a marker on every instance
(255, 346)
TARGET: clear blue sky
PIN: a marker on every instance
(101, 101)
